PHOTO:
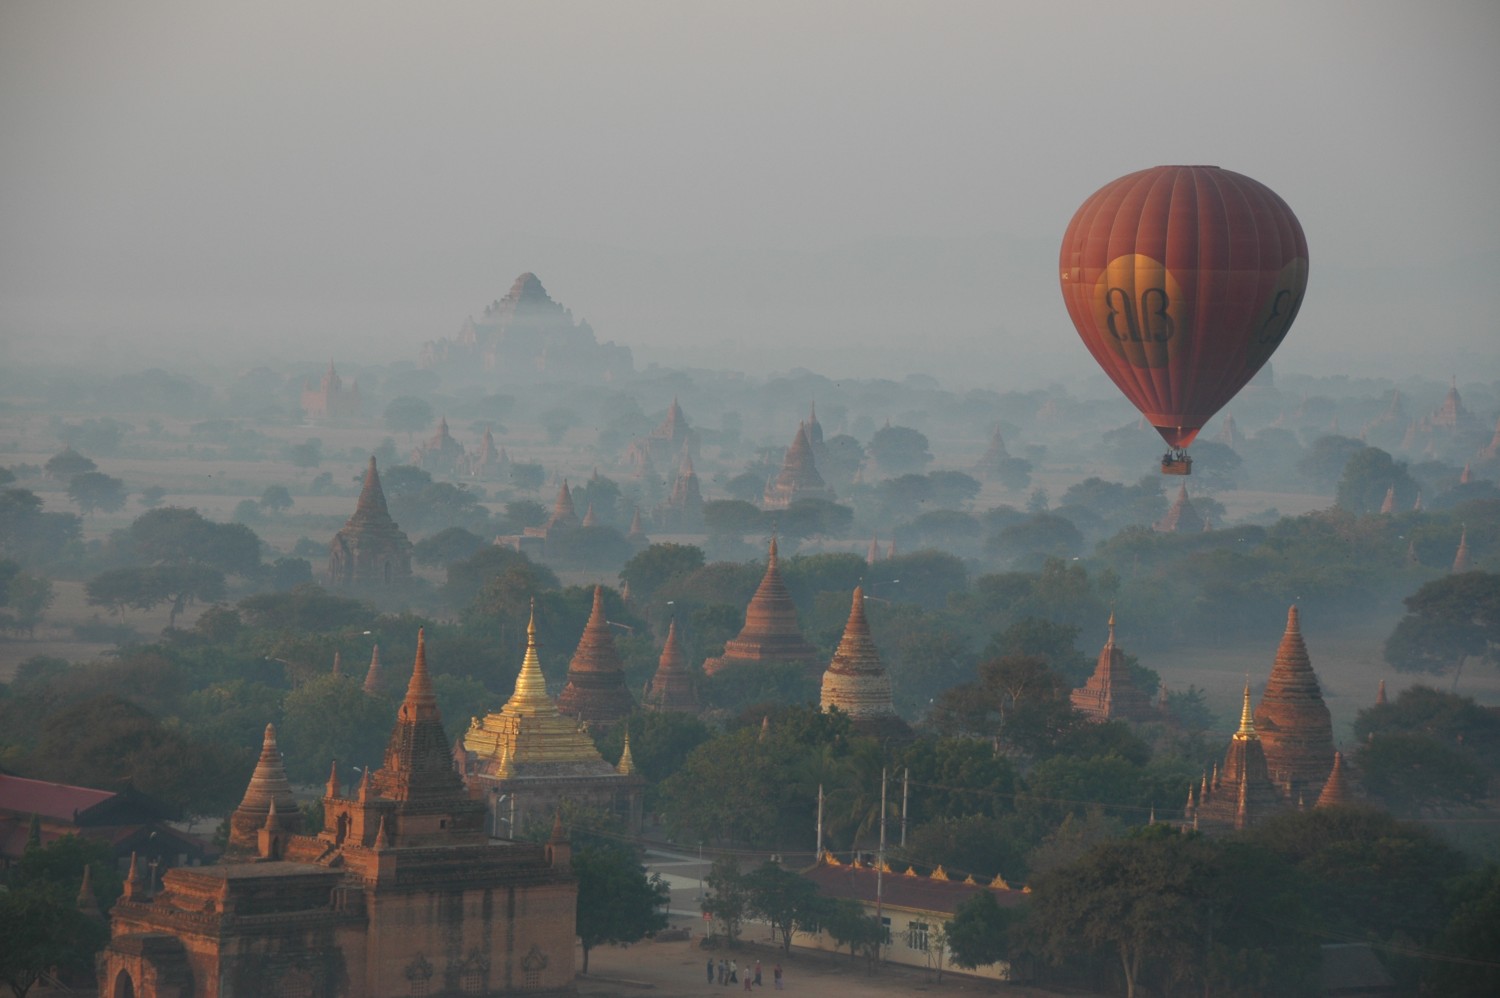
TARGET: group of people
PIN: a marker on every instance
(727, 972)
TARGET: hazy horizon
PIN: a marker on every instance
(855, 189)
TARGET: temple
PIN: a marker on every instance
(856, 683)
(991, 463)
(799, 478)
(665, 446)
(268, 802)
(370, 550)
(1110, 694)
(682, 512)
(399, 893)
(1295, 728)
(1241, 793)
(440, 454)
(525, 760)
(331, 400)
(671, 687)
(770, 635)
(526, 335)
(596, 692)
(1182, 518)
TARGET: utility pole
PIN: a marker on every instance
(880, 873)
(818, 855)
(905, 785)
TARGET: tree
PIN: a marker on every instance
(276, 498)
(176, 535)
(118, 588)
(979, 933)
(899, 449)
(68, 463)
(144, 588)
(649, 570)
(447, 546)
(330, 717)
(556, 422)
(1368, 475)
(1472, 936)
(25, 598)
(308, 454)
(731, 517)
(844, 919)
(1447, 621)
(94, 490)
(1416, 775)
(43, 929)
(788, 901)
(726, 899)
(407, 414)
(308, 607)
(617, 902)
(813, 518)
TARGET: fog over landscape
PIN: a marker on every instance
(754, 186)
(490, 486)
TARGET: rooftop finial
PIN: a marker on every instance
(1247, 719)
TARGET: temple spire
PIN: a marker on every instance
(420, 703)
(1247, 719)
(626, 766)
(372, 675)
(530, 696)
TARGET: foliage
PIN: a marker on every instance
(979, 933)
(95, 491)
(1447, 620)
(844, 919)
(784, 899)
(652, 568)
(67, 463)
(143, 588)
(1416, 775)
(1369, 474)
(61, 862)
(1470, 939)
(173, 535)
(276, 498)
(24, 598)
(43, 929)
(307, 608)
(617, 902)
(726, 898)
(899, 450)
(331, 718)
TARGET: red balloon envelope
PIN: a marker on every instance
(1182, 281)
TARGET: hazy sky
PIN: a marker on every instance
(756, 185)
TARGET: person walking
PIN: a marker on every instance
(776, 976)
(710, 970)
(734, 972)
(723, 971)
(748, 979)
(757, 973)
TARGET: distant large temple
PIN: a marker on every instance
(399, 892)
(799, 477)
(523, 335)
(370, 550)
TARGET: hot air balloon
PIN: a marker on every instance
(1182, 281)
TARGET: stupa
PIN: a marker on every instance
(268, 801)
(440, 454)
(856, 683)
(331, 399)
(991, 463)
(370, 550)
(1294, 724)
(683, 510)
(1338, 791)
(1110, 694)
(770, 635)
(596, 693)
(527, 759)
(799, 478)
(672, 685)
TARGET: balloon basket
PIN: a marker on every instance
(1176, 463)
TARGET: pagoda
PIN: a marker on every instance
(1295, 728)
(1241, 793)
(488, 463)
(992, 461)
(664, 446)
(1182, 518)
(268, 801)
(770, 635)
(856, 683)
(1338, 791)
(527, 759)
(799, 478)
(400, 884)
(683, 510)
(1110, 694)
(672, 685)
(596, 693)
(370, 550)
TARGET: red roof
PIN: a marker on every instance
(57, 801)
(900, 891)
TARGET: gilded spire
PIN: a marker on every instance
(1247, 719)
(420, 703)
(626, 765)
(530, 697)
